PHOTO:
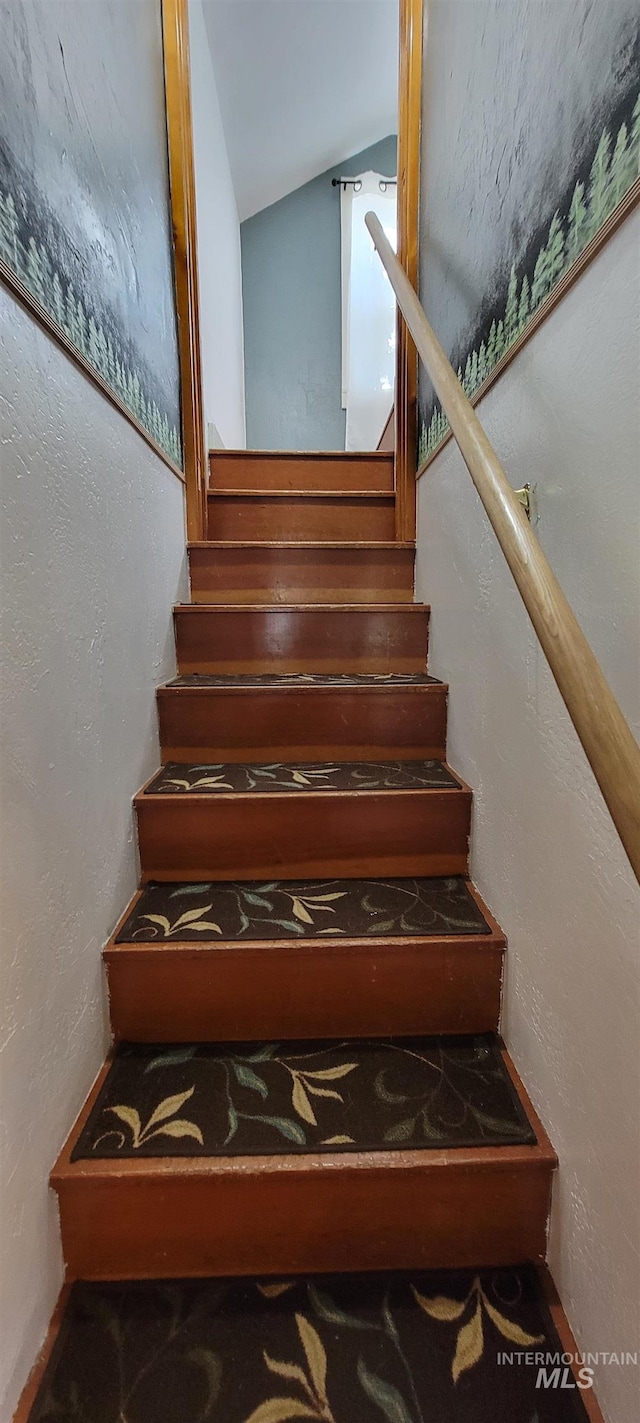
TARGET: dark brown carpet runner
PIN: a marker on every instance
(459, 1346)
(263, 1098)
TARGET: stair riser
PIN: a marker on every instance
(285, 575)
(200, 724)
(246, 516)
(195, 994)
(127, 1226)
(246, 470)
(291, 836)
(280, 640)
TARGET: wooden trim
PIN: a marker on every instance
(409, 120)
(629, 203)
(567, 1340)
(175, 28)
(609, 744)
(387, 441)
(27, 299)
(34, 1381)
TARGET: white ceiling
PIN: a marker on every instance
(302, 85)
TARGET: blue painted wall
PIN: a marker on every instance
(292, 312)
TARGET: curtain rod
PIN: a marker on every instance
(356, 183)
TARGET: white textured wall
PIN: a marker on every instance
(92, 560)
(545, 855)
(218, 248)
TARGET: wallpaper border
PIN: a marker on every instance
(27, 299)
(627, 205)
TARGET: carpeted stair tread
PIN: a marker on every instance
(302, 909)
(305, 679)
(340, 1348)
(247, 1099)
(279, 777)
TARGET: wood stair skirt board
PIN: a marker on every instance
(345, 638)
(300, 572)
(314, 834)
(140, 1218)
(173, 991)
(302, 723)
(241, 470)
(300, 515)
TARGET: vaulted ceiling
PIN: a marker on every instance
(302, 84)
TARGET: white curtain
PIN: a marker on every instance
(368, 313)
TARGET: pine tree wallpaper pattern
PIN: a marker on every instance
(36, 268)
(614, 170)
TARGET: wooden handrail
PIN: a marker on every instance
(175, 31)
(411, 21)
(611, 748)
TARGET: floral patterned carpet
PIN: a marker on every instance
(427, 1347)
(287, 909)
(278, 776)
(211, 1099)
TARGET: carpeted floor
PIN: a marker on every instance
(420, 1348)
(306, 776)
(211, 1099)
(313, 679)
(287, 909)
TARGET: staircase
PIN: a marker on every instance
(308, 1128)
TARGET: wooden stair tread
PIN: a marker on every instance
(346, 778)
(360, 913)
(365, 609)
(383, 494)
(311, 682)
(312, 832)
(256, 1318)
(137, 1075)
(260, 969)
(419, 1161)
(321, 546)
(145, 1217)
(345, 456)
